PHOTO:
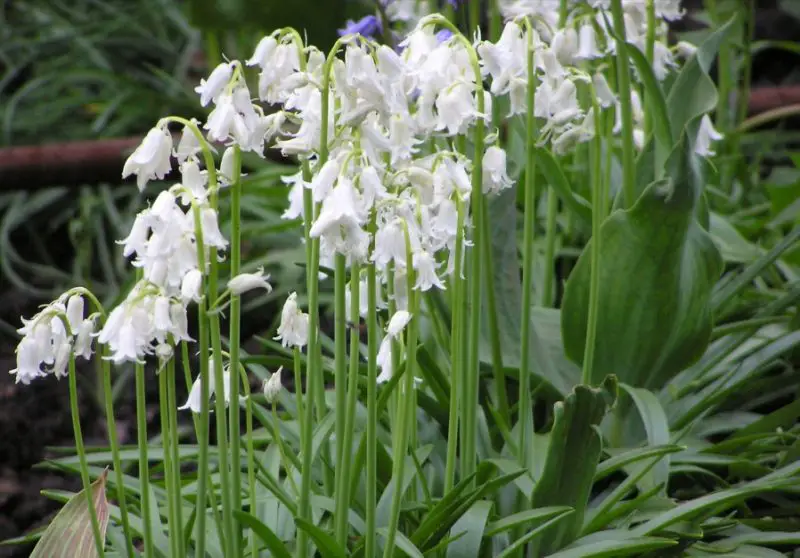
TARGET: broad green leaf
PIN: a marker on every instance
(657, 269)
(472, 525)
(572, 457)
(70, 533)
(634, 546)
(561, 374)
(270, 539)
(326, 544)
(522, 518)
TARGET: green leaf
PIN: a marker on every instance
(70, 533)
(402, 542)
(614, 548)
(409, 472)
(620, 460)
(524, 517)
(545, 364)
(534, 533)
(715, 502)
(472, 525)
(572, 457)
(549, 167)
(325, 542)
(657, 269)
(693, 93)
(270, 539)
(657, 429)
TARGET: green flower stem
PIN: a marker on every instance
(743, 97)
(456, 362)
(501, 398)
(650, 44)
(343, 504)
(251, 465)
(495, 28)
(297, 360)
(529, 220)
(187, 374)
(287, 459)
(547, 297)
(370, 504)
(470, 374)
(231, 542)
(724, 74)
(314, 373)
(223, 449)
(405, 407)
(313, 370)
(99, 543)
(172, 411)
(163, 399)
(234, 340)
(596, 155)
(104, 367)
(144, 464)
(624, 94)
(202, 425)
(340, 385)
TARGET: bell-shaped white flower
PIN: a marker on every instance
(151, 159)
(190, 286)
(340, 209)
(248, 281)
(706, 135)
(495, 177)
(293, 329)
(195, 402)
(210, 89)
(75, 312)
(272, 387)
(425, 266)
(188, 145)
(28, 362)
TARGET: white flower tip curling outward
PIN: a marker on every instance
(209, 89)
(273, 386)
(398, 322)
(248, 281)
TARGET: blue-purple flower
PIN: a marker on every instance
(367, 26)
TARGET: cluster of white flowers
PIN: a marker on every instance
(51, 337)
(561, 53)
(387, 184)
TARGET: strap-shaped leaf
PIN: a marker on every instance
(70, 533)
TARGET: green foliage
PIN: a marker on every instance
(658, 268)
